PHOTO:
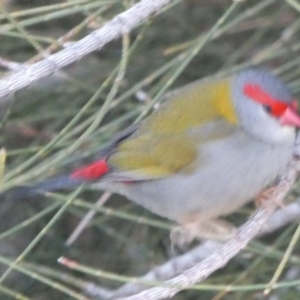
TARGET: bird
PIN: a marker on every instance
(211, 147)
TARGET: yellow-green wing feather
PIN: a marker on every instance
(162, 146)
(193, 105)
(155, 155)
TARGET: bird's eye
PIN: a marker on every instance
(267, 108)
(273, 106)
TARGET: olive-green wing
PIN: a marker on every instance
(166, 142)
(152, 156)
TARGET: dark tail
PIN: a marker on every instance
(53, 184)
(57, 183)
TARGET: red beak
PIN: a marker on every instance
(290, 116)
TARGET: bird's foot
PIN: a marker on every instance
(215, 229)
(264, 196)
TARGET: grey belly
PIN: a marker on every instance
(230, 173)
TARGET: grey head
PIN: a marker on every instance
(265, 107)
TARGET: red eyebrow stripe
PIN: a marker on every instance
(256, 93)
(92, 171)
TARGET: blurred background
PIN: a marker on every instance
(63, 121)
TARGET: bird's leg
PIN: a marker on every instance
(214, 229)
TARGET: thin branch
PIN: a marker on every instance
(87, 219)
(119, 25)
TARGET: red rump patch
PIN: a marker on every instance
(92, 171)
(256, 93)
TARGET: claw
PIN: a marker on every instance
(266, 195)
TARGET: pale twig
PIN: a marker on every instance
(62, 41)
(119, 25)
(158, 274)
(11, 65)
(87, 219)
